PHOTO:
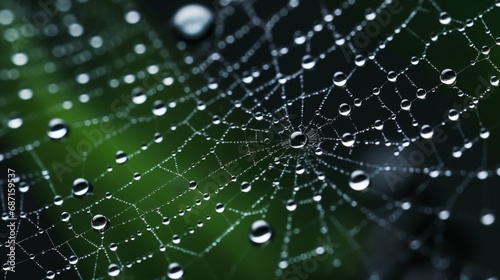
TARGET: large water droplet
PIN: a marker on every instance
(23, 187)
(348, 139)
(159, 108)
(339, 79)
(14, 121)
(139, 97)
(246, 187)
(345, 109)
(448, 76)
(121, 157)
(291, 205)
(58, 129)
(426, 131)
(100, 223)
(193, 21)
(487, 217)
(359, 180)
(113, 270)
(80, 187)
(308, 62)
(298, 140)
(261, 233)
(175, 271)
(444, 18)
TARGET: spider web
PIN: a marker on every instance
(392, 172)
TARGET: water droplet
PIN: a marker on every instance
(175, 271)
(139, 97)
(80, 187)
(487, 217)
(392, 76)
(379, 125)
(100, 223)
(65, 216)
(426, 131)
(494, 81)
(176, 239)
(348, 139)
(359, 180)
(73, 259)
(19, 59)
(453, 115)
(345, 109)
(421, 93)
(193, 185)
(261, 233)
(444, 18)
(444, 215)
(298, 140)
(484, 133)
(308, 62)
(299, 38)
(14, 121)
(113, 270)
(132, 17)
(23, 187)
(405, 104)
(121, 157)
(193, 21)
(359, 60)
(448, 76)
(339, 79)
(159, 108)
(291, 205)
(246, 187)
(50, 274)
(58, 129)
(370, 14)
(219, 208)
(58, 200)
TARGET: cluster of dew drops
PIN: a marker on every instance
(192, 21)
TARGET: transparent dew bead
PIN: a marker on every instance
(80, 187)
(14, 121)
(344, 109)
(308, 62)
(448, 76)
(299, 38)
(453, 115)
(193, 185)
(494, 81)
(113, 270)
(359, 60)
(138, 96)
(100, 223)
(58, 129)
(65, 216)
(297, 140)
(487, 217)
(405, 105)
(73, 259)
(246, 187)
(444, 18)
(23, 187)
(121, 157)
(291, 205)
(175, 271)
(392, 76)
(219, 208)
(359, 180)
(426, 131)
(159, 108)
(339, 79)
(348, 140)
(421, 93)
(193, 21)
(261, 233)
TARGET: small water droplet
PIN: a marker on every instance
(159, 108)
(138, 96)
(359, 180)
(291, 205)
(219, 208)
(23, 187)
(73, 259)
(58, 129)
(121, 157)
(261, 233)
(193, 21)
(487, 217)
(345, 109)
